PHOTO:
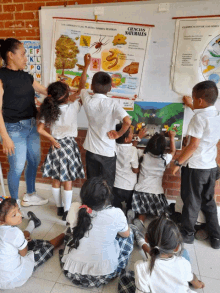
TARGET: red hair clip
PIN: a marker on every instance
(89, 210)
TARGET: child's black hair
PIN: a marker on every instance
(8, 45)
(58, 93)
(156, 146)
(5, 207)
(95, 193)
(121, 139)
(163, 236)
(206, 90)
(101, 82)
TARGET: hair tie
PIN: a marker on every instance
(88, 210)
(157, 247)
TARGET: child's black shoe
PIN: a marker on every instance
(60, 211)
(64, 215)
(34, 218)
(215, 242)
(189, 239)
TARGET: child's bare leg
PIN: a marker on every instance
(56, 183)
(142, 218)
(57, 241)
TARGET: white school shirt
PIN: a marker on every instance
(66, 125)
(169, 275)
(127, 158)
(102, 113)
(151, 173)
(204, 125)
(15, 269)
(98, 251)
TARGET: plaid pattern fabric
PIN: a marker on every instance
(64, 164)
(126, 283)
(43, 250)
(126, 247)
(149, 203)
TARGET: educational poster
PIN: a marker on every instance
(196, 55)
(158, 117)
(33, 53)
(117, 49)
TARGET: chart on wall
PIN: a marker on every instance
(196, 55)
(158, 117)
(118, 49)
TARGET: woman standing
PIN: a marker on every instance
(20, 139)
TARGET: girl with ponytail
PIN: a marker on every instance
(167, 268)
(63, 162)
(98, 241)
(148, 197)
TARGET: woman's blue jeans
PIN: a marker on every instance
(27, 149)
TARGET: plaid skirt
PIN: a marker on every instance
(126, 283)
(43, 250)
(149, 203)
(126, 248)
(64, 164)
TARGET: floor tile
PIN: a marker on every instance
(193, 258)
(40, 232)
(55, 230)
(112, 287)
(62, 288)
(211, 285)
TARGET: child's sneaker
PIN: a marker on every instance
(33, 200)
(130, 216)
(140, 225)
(34, 218)
(138, 236)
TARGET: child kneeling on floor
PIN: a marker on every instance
(167, 269)
(98, 241)
(20, 255)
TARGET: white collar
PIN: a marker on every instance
(124, 144)
(210, 108)
(100, 96)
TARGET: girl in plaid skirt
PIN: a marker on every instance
(63, 162)
(98, 241)
(148, 197)
(20, 255)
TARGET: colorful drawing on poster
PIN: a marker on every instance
(33, 66)
(158, 117)
(118, 49)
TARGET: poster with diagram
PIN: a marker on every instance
(118, 49)
(196, 55)
(158, 117)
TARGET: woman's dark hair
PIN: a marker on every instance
(121, 139)
(5, 206)
(156, 146)
(96, 194)
(8, 45)
(164, 236)
(58, 93)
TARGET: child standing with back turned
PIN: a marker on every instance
(102, 113)
(198, 158)
(63, 162)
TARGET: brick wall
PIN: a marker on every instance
(20, 19)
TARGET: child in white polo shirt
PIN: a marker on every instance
(102, 113)
(199, 160)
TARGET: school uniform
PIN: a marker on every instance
(125, 178)
(64, 163)
(102, 113)
(148, 197)
(198, 173)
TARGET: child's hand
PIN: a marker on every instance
(171, 133)
(113, 134)
(187, 101)
(200, 284)
(174, 169)
(27, 235)
(87, 60)
(142, 133)
(55, 144)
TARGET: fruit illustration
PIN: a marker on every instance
(132, 68)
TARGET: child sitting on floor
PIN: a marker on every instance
(167, 269)
(98, 242)
(20, 255)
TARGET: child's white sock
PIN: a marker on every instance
(57, 197)
(30, 227)
(67, 199)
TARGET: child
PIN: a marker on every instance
(98, 242)
(126, 168)
(19, 258)
(63, 162)
(148, 197)
(102, 113)
(198, 158)
(165, 270)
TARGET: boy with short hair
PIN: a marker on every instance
(102, 113)
(198, 158)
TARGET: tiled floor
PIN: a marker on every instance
(49, 279)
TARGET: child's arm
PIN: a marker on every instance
(172, 143)
(188, 102)
(135, 170)
(24, 251)
(142, 133)
(113, 134)
(197, 284)
(43, 132)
